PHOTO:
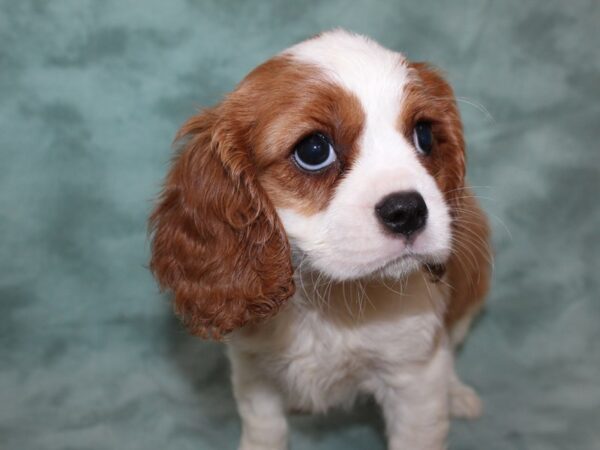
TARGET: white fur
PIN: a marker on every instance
(314, 356)
(382, 338)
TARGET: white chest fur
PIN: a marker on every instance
(321, 352)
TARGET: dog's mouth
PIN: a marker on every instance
(391, 266)
(432, 267)
(435, 271)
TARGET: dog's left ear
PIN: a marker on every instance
(469, 267)
(218, 244)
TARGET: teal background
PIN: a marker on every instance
(91, 94)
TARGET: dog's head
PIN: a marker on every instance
(337, 150)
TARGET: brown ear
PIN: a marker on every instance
(217, 241)
(470, 265)
(430, 95)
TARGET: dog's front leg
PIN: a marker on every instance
(260, 405)
(415, 404)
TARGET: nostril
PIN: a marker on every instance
(397, 216)
(402, 212)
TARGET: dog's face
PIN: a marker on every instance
(376, 152)
(338, 146)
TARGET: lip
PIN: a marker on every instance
(418, 259)
(407, 257)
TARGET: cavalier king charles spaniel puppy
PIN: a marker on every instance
(318, 221)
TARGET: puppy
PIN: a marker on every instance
(318, 220)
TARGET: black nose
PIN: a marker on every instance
(402, 212)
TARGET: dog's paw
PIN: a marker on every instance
(464, 402)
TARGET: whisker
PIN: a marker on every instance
(477, 106)
(402, 294)
(469, 187)
(429, 295)
(479, 197)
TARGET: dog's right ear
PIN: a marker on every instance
(217, 242)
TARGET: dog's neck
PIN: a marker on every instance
(372, 297)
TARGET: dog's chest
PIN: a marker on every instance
(321, 358)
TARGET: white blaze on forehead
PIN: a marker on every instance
(375, 74)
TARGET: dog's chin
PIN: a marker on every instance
(399, 268)
(396, 268)
(433, 265)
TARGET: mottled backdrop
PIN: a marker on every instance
(91, 94)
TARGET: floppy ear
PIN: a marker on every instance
(217, 242)
(469, 265)
(448, 164)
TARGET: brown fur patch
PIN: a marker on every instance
(290, 101)
(218, 243)
(469, 267)
(428, 97)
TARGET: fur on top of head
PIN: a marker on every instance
(298, 159)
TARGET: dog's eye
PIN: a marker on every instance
(423, 138)
(314, 153)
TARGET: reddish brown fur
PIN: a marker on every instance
(430, 98)
(292, 100)
(218, 243)
(469, 266)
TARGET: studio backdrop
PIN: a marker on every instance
(91, 95)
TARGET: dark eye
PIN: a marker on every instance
(314, 153)
(423, 138)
